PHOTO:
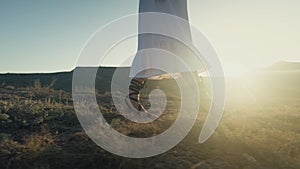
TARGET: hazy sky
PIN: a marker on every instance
(46, 36)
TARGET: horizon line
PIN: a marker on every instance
(104, 66)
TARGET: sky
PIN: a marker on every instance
(47, 36)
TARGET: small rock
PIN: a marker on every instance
(5, 152)
(39, 120)
(202, 165)
(4, 117)
(249, 158)
(4, 136)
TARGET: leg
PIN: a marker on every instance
(135, 86)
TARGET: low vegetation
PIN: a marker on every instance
(39, 129)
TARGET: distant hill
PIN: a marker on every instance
(58, 81)
(63, 80)
(284, 66)
(279, 79)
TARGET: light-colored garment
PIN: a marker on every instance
(156, 58)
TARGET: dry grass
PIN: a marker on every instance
(251, 135)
